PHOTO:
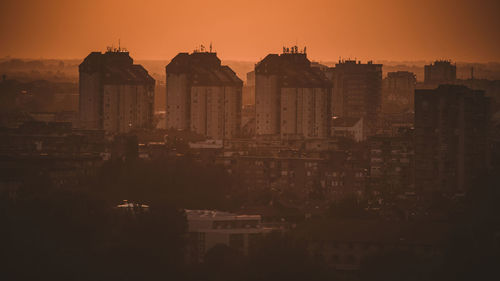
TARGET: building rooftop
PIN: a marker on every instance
(450, 90)
(345, 121)
(116, 67)
(212, 215)
(294, 69)
(204, 69)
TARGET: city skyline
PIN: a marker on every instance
(349, 140)
(460, 30)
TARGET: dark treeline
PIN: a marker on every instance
(180, 183)
(79, 234)
(74, 235)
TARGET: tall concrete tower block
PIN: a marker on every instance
(203, 96)
(292, 99)
(115, 94)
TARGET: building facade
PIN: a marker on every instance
(398, 90)
(291, 98)
(115, 94)
(391, 162)
(207, 229)
(351, 128)
(203, 96)
(357, 91)
(451, 138)
(440, 72)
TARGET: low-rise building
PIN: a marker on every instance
(351, 128)
(207, 229)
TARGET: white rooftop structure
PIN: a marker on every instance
(208, 220)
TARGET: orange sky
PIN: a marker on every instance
(462, 30)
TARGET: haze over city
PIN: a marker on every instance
(250, 140)
(464, 30)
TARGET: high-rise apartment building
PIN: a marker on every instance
(203, 96)
(357, 91)
(398, 90)
(451, 138)
(116, 95)
(440, 72)
(292, 99)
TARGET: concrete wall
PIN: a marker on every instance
(177, 102)
(232, 112)
(304, 113)
(126, 107)
(267, 100)
(90, 101)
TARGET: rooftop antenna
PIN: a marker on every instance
(119, 45)
(210, 47)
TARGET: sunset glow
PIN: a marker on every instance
(248, 30)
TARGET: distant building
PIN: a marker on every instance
(249, 89)
(62, 154)
(344, 244)
(392, 123)
(292, 98)
(207, 229)
(203, 96)
(357, 91)
(391, 162)
(451, 138)
(299, 178)
(351, 128)
(251, 78)
(440, 72)
(398, 90)
(115, 94)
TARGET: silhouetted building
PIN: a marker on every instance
(115, 94)
(357, 91)
(451, 138)
(249, 89)
(51, 149)
(398, 92)
(391, 162)
(292, 98)
(391, 123)
(203, 96)
(440, 72)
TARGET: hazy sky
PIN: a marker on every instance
(463, 30)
